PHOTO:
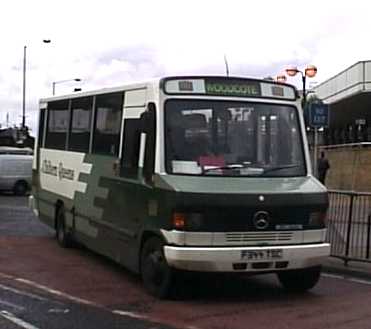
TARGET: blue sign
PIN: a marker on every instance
(318, 115)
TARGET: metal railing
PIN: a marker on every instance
(349, 225)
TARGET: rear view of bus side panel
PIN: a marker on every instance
(66, 135)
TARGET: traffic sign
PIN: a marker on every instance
(318, 115)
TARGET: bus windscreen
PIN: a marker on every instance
(233, 139)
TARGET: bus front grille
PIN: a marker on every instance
(267, 237)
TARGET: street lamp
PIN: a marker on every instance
(24, 84)
(310, 71)
(61, 81)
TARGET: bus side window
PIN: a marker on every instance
(81, 110)
(131, 146)
(107, 125)
(57, 125)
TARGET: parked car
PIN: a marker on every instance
(15, 150)
(15, 173)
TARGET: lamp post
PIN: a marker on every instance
(62, 81)
(226, 65)
(24, 84)
(24, 89)
(310, 71)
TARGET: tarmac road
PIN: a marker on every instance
(46, 286)
(30, 305)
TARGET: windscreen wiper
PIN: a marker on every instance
(280, 168)
(227, 167)
(253, 171)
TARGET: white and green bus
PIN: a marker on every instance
(199, 173)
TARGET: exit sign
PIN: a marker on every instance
(318, 115)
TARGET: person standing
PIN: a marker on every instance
(322, 166)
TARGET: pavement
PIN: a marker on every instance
(356, 269)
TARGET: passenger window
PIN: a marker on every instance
(131, 147)
(107, 126)
(80, 125)
(58, 118)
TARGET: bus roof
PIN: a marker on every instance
(216, 85)
(106, 90)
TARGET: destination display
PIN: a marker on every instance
(233, 88)
(229, 87)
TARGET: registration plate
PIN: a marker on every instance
(269, 254)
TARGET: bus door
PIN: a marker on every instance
(129, 171)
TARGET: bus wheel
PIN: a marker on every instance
(300, 280)
(63, 237)
(156, 274)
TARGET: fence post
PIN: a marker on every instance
(347, 242)
(368, 236)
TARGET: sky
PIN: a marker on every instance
(109, 43)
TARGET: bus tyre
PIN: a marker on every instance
(156, 274)
(20, 188)
(300, 280)
(63, 237)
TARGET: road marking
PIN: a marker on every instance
(78, 300)
(6, 276)
(59, 310)
(57, 292)
(9, 304)
(11, 317)
(73, 298)
(347, 278)
(334, 276)
(23, 293)
(130, 314)
(360, 281)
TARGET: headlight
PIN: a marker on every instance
(318, 219)
(187, 221)
(194, 221)
(179, 220)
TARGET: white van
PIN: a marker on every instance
(15, 173)
(16, 150)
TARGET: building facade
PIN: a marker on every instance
(348, 94)
(347, 139)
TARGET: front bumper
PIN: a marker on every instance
(246, 259)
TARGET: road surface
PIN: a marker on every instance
(45, 286)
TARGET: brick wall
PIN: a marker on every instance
(350, 168)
